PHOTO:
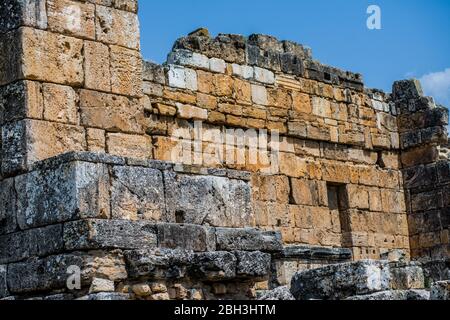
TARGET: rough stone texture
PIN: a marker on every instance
(341, 281)
(278, 294)
(248, 239)
(253, 265)
(186, 237)
(215, 266)
(394, 296)
(107, 234)
(72, 191)
(99, 285)
(440, 290)
(3, 282)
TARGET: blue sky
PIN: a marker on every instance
(413, 41)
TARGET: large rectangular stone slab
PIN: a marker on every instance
(18, 246)
(248, 240)
(208, 200)
(106, 234)
(70, 191)
(8, 220)
(3, 284)
(137, 193)
(336, 282)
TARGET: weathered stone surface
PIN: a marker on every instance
(394, 295)
(3, 282)
(406, 276)
(225, 202)
(101, 285)
(129, 145)
(153, 72)
(158, 263)
(278, 294)
(72, 191)
(60, 103)
(39, 242)
(14, 14)
(52, 272)
(214, 266)
(106, 234)
(8, 219)
(97, 66)
(186, 237)
(341, 281)
(106, 296)
(440, 290)
(248, 240)
(126, 71)
(137, 193)
(254, 265)
(51, 57)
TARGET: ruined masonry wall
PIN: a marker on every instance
(82, 86)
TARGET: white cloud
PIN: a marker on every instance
(437, 85)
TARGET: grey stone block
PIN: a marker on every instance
(137, 193)
(13, 148)
(278, 294)
(102, 234)
(341, 281)
(16, 13)
(214, 266)
(18, 246)
(106, 296)
(52, 273)
(153, 72)
(158, 263)
(3, 283)
(71, 191)
(254, 265)
(8, 220)
(223, 202)
(440, 290)
(394, 295)
(186, 236)
(248, 240)
(405, 276)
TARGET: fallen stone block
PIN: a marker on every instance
(440, 290)
(335, 282)
(405, 276)
(394, 295)
(248, 240)
(254, 265)
(278, 294)
(214, 266)
(103, 234)
(186, 236)
(99, 285)
(106, 296)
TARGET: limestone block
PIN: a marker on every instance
(3, 283)
(20, 100)
(111, 112)
(394, 295)
(243, 71)
(406, 276)
(127, 145)
(278, 294)
(95, 234)
(95, 139)
(214, 266)
(106, 296)
(8, 219)
(14, 14)
(101, 285)
(341, 281)
(440, 290)
(28, 141)
(248, 240)
(158, 264)
(60, 103)
(264, 76)
(137, 193)
(127, 5)
(177, 77)
(254, 265)
(191, 112)
(117, 27)
(97, 74)
(217, 65)
(51, 57)
(224, 202)
(126, 71)
(186, 237)
(51, 273)
(259, 95)
(358, 197)
(39, 242)
(321, 107)
(188, 58)
(68, 192)
(71, 18)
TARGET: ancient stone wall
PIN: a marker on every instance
(230, 132)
